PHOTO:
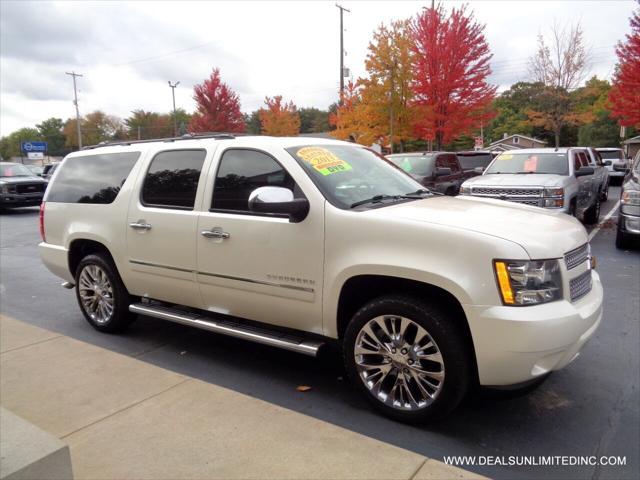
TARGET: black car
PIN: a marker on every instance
(474, 162)
(628, 235)
(438, 171)
(19, 187)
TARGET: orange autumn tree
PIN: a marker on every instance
(353, 120)
(279, 119)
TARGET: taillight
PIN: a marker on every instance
(44, 238)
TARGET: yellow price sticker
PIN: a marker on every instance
(323, 161)
(505, 156)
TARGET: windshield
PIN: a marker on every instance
(15, 170)
(553, 162)
(348, 174)
(611, 155)
(421, 165)
(469, 161)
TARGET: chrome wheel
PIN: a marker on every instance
(399, 362)
(96, 293)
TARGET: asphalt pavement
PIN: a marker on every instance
(588, 408)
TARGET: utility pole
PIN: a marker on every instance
(342, 10)
(75, 102)
(175, 118)
(392, 84)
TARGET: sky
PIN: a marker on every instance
(128, 51)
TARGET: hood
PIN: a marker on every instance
(542, 233)
(16, 180)
(516, 180)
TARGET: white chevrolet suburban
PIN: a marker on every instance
(299, 243)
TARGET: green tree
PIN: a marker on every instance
(51, 132)
(313, 120)
(10, 145)
(252, 121)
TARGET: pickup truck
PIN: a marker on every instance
(438, 171)
(19, 186)
(310, 244)
(557, 179)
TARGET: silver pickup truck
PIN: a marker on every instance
(560, 179)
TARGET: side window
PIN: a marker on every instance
(242, 171)
(172, 179)
(453, 164)
(441, 161)
(91, 178)
(576, 161)
(583, 159)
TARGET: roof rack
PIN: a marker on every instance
(186, 136)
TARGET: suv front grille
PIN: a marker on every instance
(525, 196)
(509, 192)
(580, 286)
(577, 256)
(30, 187)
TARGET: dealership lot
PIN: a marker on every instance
(589, 408)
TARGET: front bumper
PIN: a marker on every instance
(12, 200)
(629, 224)
(518, 344)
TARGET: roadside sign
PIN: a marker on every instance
(35, 155)
(479, 143)
(34, 147)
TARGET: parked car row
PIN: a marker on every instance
(442, 172)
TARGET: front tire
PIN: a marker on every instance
(592, 215)
(408, 359)
(604, 196)
(103, 298)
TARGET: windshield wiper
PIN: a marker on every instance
(375, 199)
(379, 198)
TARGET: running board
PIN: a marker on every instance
(230, 328)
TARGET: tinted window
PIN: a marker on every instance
(453, 163)
(241, 172)
(172, 179)
(471, 161)
(611, 154)
(91, 178)
(583, 159)
(421, 165)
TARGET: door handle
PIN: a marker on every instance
(215, 233)
(140, 225)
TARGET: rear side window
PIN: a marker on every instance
(91, 178)
(241, 172)
(172, 179)
(469, 162)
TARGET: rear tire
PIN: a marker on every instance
(623, 240)
(592, 215)
(425, 363)
(102, 297)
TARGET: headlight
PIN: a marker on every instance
(630, 202)
(465, 190)
(554, 197)
(4, 188)
(528, 282)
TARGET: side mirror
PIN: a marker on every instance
(442, 171)
(608, 163)
(478, 170)
(584, 171)
(621, 167)
(278, 200)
